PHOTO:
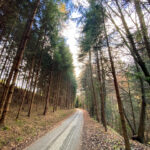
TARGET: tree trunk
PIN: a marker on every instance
(35, 84)
(48, 95)
(120, 105)
(132, 110)
(143, 25)
(65, 95)
(28, 78)
(8, 92)
(103, 118)
(58, 90)
(55, 91)
(133, 132)
(103, 78)
(141, 128)
(24, 95)
(93, 90)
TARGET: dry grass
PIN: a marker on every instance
(16, 134)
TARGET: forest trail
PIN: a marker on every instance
(58, 55)
(64, 137)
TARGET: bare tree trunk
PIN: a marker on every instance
(67, 94)
(21, 89)
(103, 78)
(23, 95)
(103, 118)
(120, 105)
(8, 92)
(28, 78)
(53, 89)
(58, 90)
(133, 132)
(66, 98)
(93, 89)
(35, 84)
(48, 95)
(60, 93)
(132, 110)
(55, 92)
(141, 128)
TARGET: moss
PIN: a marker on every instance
(5, 128)
(18, 139)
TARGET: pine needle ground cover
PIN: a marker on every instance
(95, 138)
(20, 133)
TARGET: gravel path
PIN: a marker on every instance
(65, 137)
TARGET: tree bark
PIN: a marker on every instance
(141, 128)
(48, 95)
(132, 110)
(103, 118)
(35, 84)
(8, 92)
(24, 95)
(143, 25)
(93, 90)
(120, 105)
(133, 132)
(58, 91)
(28, 78)
(55, 92)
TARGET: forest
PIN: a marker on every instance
(115, 51)
(34, 57)
(37, 67)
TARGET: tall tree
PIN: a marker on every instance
(9, 89)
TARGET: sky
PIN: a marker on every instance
(71, 32)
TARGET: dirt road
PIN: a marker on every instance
(67, 136)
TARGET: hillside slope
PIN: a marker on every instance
(95, 138)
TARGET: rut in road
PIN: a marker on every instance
(65, 137)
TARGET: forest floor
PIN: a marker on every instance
(94, 137)
(18, 134)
